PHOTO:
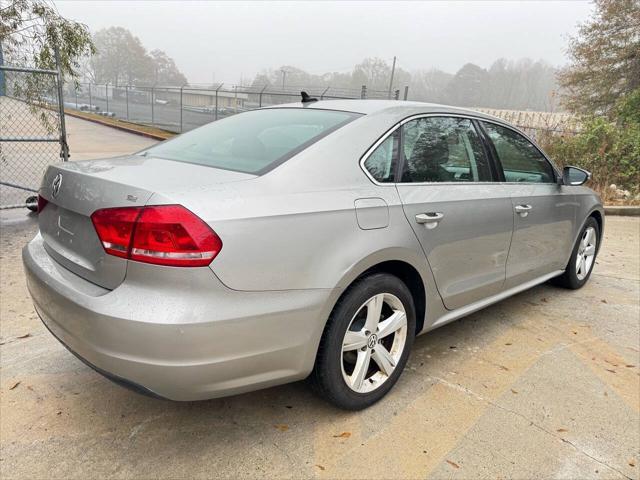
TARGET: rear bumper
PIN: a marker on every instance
(179, 333)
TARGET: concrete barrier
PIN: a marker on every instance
(631, 211)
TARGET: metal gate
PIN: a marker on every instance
(32, 132)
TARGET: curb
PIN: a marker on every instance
(630, 211)
(120, 127)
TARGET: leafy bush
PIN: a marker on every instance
(609, 149)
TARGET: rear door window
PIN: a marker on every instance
(443, 149)
(253, 142)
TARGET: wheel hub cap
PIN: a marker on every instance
(374, 342)
(586, 253)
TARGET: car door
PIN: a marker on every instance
(544, 211)
(462, 218)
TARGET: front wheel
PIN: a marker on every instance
(583, 257)
(366, 342)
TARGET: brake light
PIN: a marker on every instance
(162, 234)
(42, 202)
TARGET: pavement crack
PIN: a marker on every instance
(470, 392)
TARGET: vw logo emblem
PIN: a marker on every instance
(56, 184)
(372, 341)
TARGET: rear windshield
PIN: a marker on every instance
(252, 142)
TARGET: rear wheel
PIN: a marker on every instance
(583, 257)
(366, 342)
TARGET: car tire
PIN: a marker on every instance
(342, 374)
(576, 274)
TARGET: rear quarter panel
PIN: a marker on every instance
(275, 240)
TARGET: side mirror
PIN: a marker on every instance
(574, 176)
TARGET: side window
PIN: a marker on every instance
(520, 159)
(382, 162)
(443, 149)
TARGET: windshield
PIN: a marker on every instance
(252, 142)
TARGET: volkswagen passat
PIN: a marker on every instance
(312, 239)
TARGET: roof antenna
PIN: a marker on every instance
(306, 98)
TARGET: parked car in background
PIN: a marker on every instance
(314, 239)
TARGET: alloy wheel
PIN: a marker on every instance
(374, 342)
(586, 253)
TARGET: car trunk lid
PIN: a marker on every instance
(75, 190)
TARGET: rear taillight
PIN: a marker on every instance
(115, 229)
(162, 234)
(42, 202)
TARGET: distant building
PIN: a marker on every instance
(203, 98)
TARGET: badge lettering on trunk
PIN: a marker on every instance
(56, 184)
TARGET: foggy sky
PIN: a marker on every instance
(225, 41)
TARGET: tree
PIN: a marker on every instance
(521, 85)
(29, 30)
(609, 147)
(429, 85)
(372, 72)
(165, 70)
(605, 58)
(468, 87)
(120, 58)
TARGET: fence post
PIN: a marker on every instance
(64, 147)
(181, 89)
(90, 104)
(261, 92)
(106, 94)
(2, 79)
(126, 97)
(76, 91)
(153, 122)
(363, 92)
(219, 87)
(325, 91)
(406, 92)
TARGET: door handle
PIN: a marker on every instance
(523, 210)
(431, 219)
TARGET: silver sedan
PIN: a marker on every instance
(314, 240)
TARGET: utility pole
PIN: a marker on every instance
(284, 74)
(393, 71)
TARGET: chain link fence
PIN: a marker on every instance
(32, 132)
(182, 108)
(538, 124)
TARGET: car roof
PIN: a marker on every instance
(368, 107)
